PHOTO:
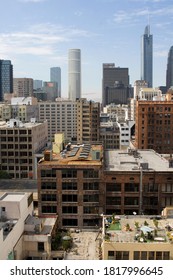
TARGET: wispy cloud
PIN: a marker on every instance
(78, 13)
(163, 53)
(41, 39)
(124, 16)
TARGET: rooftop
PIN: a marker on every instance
(12, 197)
(75, 155)
(132, 160)
(37, 225)
(143, 229)
(13, 123)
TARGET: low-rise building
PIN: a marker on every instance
(22, 235)
(20, 143)
(110, 135)
(70, 184)
(137, 238)
(138, 181)
(14, 209)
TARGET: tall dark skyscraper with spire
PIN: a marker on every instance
(169, 71)
(147, 57)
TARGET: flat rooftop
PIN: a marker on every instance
(76, 155)
(9, 197)
(138, 229)
(119, 160)
(20, 125)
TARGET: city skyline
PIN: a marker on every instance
(106, 31)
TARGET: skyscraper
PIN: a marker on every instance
(6, 78)
(115, 87)
(74, 74)
(169, 71)
(147, 57)
(55, 76)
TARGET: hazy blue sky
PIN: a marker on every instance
(36, 35)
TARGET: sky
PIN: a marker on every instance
(37, 34)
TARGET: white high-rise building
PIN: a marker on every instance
(74, 74)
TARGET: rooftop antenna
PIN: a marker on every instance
(148, 22)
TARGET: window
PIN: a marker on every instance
(91, 186)
(131, 187)
(70, 222)
(91, 198)
(48, 185)
(136, 255)
(69, 198)
(49, 209)
(166, 255)
(69, 210)
(69, 173)
(114, 187)
(48, 197)
(69, 186)
(113, 200)
(40, 246)
(131, 201)
(90, 210)
(90, 174)
(158, 255)
(118, 255)
(143, 255)
(48, 173)
(151, 255)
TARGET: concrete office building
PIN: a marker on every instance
(55, 76)
(6, 78)
(169, 71)
(23, 87)
(143, 93)
(137, 87)
(5, 112)
(74, 74)
(21, 108)
(154, 125)
(115, 85)
(78, 120)
(110, 135)
(125, 133)
(24, 108)
(51, 90)
(61, 117)
(147, 57)
(88, 121)
(20, 144)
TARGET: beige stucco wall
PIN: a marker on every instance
(131, 247)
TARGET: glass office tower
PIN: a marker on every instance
(169, 71)
(6, 78)
(55, 76)
(147, 57)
